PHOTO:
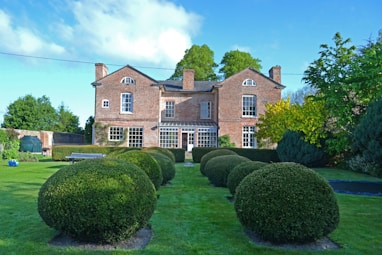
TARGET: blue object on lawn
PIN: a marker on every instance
(13, 162)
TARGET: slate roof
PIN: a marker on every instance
(176, 86)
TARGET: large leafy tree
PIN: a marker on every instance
(235, 61)
(307, 119)
(199, 58)
(346, 81)
(89, 129)
(30, 113)
(66, 121)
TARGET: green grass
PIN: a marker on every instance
(192, 217)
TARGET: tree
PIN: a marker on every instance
(30, 114)
(298, 97)
(199, 58)
(308, 119)
(346, 82)
(235, 61)
(66, 121)
(89, 129)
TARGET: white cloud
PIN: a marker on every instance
(144, 31)
(241, 48)
(18, 39)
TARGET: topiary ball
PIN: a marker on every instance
(167, 166)
(240, 171)
(163, 151)
(206, 157)
(146, 162)
(218, 168)
(286, 203)
(97, 200)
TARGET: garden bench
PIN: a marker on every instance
(76, 155)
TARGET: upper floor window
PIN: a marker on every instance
(249, 82)
(205, 110)
(249, 106)
(170, 109)
(127, 80)
(126, 102)
(105, 103)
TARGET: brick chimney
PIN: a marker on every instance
(188, 79)
(100, 71)
(275, 73)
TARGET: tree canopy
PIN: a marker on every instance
(346, 81)
(199, 58)
(235, 61)
(31, 113)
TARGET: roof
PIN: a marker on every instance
(176, 86)
(188, 124)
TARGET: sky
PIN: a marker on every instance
(49, 48)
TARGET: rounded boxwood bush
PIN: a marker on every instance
(286, 203)
(167, 166)
(206, 157)
(97, 200)
(163, 151)
(146, 162)
(240, 171)
(218, 168)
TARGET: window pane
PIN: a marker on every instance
(249, 139)
(249, 105)
(116, 134)
(168, 137)
(205, 110)
(170, 110)
(135, 137)
(127, 102)
(207, 137)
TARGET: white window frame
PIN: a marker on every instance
(248, 137)
(127, 100)
(207, 137)
(105, 103)
(169, 111)
(135, 137)
(168, 137)
(116, 133)
(249, 82)
(127, 80)
(205, 110)
(246, 106)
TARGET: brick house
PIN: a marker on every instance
(136, 110)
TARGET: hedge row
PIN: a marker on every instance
(262, 155)
(60, 152)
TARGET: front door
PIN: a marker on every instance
(188, 141)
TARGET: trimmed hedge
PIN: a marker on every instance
(180, 154)
(263, 155)
(145, 162)
(287, 203)
(218, 168)
(97, 200)
(60, 152)
(166, 164)
(212, 154)
(240, 171)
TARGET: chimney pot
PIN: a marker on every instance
(275, 73)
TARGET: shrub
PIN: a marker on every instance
(240, 171)
(97, 200)
(263, 155)
(212, 154)
(292, 148)
(199, 152)
(27, 157)
(286, 203)
(179, 154)
(163, 151)
(359, 164)
(167, 166)
(225, 142)
(144, 161)
(218, 168)
(367, 137)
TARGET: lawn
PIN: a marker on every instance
(192, 217)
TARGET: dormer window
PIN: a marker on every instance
(127, 80)
(249, 82)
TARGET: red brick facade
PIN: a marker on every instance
(181, 113)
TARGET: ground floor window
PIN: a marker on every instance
(207, 137)
(135, 137)
(116, 134)
(249, 140)
(168, 137)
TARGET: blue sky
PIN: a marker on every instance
(152, 36)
